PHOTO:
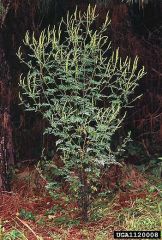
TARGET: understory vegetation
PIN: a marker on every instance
(80, 129)
(83, 90)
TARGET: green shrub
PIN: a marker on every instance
(82, 89)
(26, 215)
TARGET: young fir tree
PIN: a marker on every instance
(83, 89)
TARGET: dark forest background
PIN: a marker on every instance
(135, 28)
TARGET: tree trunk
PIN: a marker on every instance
(6, 143)
(83, 195)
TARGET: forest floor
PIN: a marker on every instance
(29, 213)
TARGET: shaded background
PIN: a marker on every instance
(138, 31)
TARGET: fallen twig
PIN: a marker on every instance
(27, 226)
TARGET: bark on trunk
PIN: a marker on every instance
(6, 143)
